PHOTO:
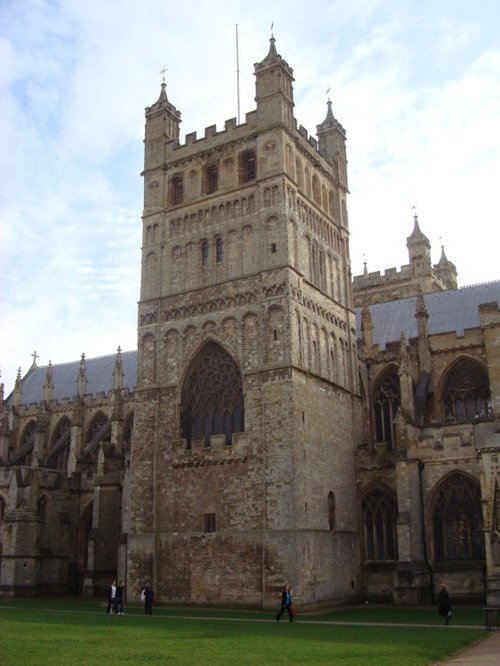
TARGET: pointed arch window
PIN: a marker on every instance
(379, 510)
(212, 396)
(386, 402)
(456, 520)
(177, 189)
(248, 168)
(204, 254)
(466, 392)
(59, 452)
(218, 251)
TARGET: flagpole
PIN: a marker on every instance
(237, 75)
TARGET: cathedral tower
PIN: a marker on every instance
(242, 464)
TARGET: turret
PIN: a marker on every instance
(162, 126)
(274, 89)
(331, 143)
(419, 251)
(446, 271)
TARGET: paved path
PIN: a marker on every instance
(485, 652)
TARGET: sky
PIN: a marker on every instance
(416, 85)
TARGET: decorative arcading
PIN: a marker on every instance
(204, 217)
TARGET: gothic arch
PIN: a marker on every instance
(379, 512)
(465, 391)
(212, 396)
(455, 516)
(24, 454)
(386, 401)
(97, 431)
(60, 444)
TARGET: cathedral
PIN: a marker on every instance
(281, 421)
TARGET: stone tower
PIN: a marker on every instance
(242, 470)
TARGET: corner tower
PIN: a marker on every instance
(242, 465)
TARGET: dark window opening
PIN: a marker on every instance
(212, 178)
(248, 166)
(274, 248)
(209, 522)
(218, 251)
(204, 254)
(177, 190)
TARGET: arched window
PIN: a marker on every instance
(24, 455)
(212, 178)
(466, 392)
(248, 166)
(380, 512)
(99, 430)
(212, 396)
(59, 450)
(204, 254)
(218, 251)
(386, 402)
(177, 189)
(331, 510)
(41, 509)
(456, 519)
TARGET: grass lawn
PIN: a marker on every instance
(57, 632)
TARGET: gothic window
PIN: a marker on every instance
(331, 511)
(212, 178)
(218, 251)
(387, 399)
(466, 392)
(212, 397)
(379, 511)
(99, 430)
(248, 166)
(456, 520)
(177, 189)
(204, 254)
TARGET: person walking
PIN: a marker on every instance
(148, 600)
(444, 606)
(111, 599)
(286, 604)
(120, 593)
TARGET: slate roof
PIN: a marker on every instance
(99, 378)
(449, 311)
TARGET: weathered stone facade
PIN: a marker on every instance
(266, 430)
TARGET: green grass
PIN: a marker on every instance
(60, 632)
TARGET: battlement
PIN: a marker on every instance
(376, 278)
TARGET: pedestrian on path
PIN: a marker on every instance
(111, 599)
(148, 598)
(286, 604)
(120, 593)
(444, 606)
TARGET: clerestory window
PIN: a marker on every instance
(386, 402)
(212, 176)
(466, 392)
(379, 510)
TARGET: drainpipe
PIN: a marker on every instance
(422, 519)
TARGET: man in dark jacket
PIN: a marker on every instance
(148, 600)
(444, 606)
(286, 604)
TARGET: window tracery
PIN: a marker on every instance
(379, 511)
(386, 402)
(212, 400)
(456, 520)
(466, 392)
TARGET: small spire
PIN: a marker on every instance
(365, 267)
(118, 373)
(81, 380)
(443, 258)
(48, 384)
